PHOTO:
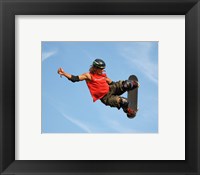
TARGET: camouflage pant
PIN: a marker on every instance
(112, 97)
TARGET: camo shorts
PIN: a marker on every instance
(112, 97)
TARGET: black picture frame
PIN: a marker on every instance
(10, 8)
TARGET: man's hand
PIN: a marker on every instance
(61, 71)
(73, 78)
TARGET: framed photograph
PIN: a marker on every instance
(49, 121)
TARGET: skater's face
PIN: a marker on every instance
(100, 71)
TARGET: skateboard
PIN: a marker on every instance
(133, 97)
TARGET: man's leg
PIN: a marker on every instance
(124, 106)
(118, 102)
(120, 87)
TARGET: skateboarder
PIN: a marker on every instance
(103, 88)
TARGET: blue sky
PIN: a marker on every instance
(68, 107)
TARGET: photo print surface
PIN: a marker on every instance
(70, 105)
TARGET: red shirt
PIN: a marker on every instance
(98, 86)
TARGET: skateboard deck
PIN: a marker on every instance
(133, 97)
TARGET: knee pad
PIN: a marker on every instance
(127, 85)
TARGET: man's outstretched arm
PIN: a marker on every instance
(74, 78)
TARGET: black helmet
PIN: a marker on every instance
(99, 63)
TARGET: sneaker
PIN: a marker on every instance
(135, 84)
(129, 111)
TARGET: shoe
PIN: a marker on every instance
(129, 111)
(135, 84)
